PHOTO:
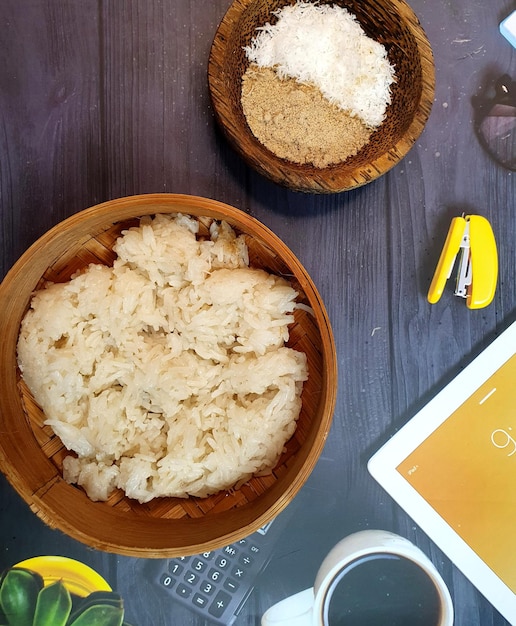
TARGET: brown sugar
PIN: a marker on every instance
(296, 122)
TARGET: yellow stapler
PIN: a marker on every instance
(473, 237)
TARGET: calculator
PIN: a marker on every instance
(217, 583)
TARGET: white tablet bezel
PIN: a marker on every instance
(382, 466)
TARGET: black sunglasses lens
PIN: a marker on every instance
(498, 133)
(496, 125)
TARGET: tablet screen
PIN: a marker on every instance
(466, 470)
(452, 467)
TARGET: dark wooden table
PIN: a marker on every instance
(107, 98)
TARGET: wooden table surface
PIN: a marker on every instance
(108, 98)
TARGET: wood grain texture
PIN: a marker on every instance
(142, 122)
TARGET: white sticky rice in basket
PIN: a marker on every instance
(167, 374)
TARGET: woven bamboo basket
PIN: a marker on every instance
(31, 455)
(390, 22)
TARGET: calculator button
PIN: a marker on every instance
(191, 578)
(183, 590)
(167, 581)
(175, 568)
(230, 551)
(238, 572)
(199, 600)
(207, 556)
(198, 565)
(207, 588)
(231, 585)
(222, 562)
(219, 604)
(246, 560)
(184, 559)
(214, 575)
(254, 549)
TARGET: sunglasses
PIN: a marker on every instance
(496, 122)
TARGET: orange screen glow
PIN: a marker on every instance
(466, 470)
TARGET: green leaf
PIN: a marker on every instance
(53, 606)
(18, 595)
(100, 615)
(96, 598)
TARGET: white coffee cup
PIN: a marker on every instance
(368, 565)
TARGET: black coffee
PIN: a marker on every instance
(382, 590)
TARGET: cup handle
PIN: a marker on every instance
(295, 610)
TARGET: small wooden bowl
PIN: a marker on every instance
(390, 22)
(31, 455)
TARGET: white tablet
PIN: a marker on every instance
(452, 467)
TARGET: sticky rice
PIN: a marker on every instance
(167, 374)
